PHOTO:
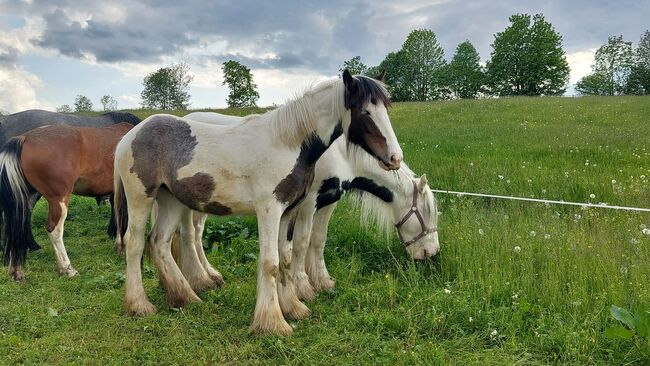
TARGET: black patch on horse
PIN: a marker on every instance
(329, 192)
(291, 227)
(368, 185)
(293, 188)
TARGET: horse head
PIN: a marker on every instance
(370, 127)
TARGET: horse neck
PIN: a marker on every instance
(318, 113)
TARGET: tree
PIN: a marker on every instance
(354, 66)
(611, 69)
(65, 108)
(527, 59)
(395, 77)
(167, 88)
(465, 72)
(423, 62)
(239, 79)
(639, 79)
(82, 104)
(109, 103)
(593, 84)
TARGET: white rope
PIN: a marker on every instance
(601, 205)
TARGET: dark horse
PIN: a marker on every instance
(53, 161)
(21, 122)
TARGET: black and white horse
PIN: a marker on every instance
(401, 200)
(263, 166)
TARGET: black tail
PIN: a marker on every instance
(112, 226)
(119, 208)
(15, 204)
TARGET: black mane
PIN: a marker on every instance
(371, 90)
(122, 117)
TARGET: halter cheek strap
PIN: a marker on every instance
(414, 211)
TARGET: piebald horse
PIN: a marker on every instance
(400, 200)
(53, 161)
(263, 166)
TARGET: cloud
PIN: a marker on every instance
(18, 90)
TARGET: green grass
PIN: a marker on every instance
(545, 304)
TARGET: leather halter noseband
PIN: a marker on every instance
(414, 211)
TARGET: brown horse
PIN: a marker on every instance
(54, 161)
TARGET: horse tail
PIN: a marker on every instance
(120, 210)
(15, 204)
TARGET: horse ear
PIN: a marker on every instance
(349, 81)
(423, 183)
(381, 75)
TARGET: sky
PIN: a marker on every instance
(53, 50)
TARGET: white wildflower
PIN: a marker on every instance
(447, 291)
(517, 249)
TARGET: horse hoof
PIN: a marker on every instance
(298, 311)
(217, 278)
(279, 327)
(142, 308)
(69, 272)
(177, 300)
(304, 290)
(324, 284)
(17, 275)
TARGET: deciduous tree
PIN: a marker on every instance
(466, 76)
(82, 104)
(167, 88)
(527, 59)
(243, 92)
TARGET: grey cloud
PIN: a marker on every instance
(311, 34)
(8, 56)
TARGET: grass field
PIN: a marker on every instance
(514, 283)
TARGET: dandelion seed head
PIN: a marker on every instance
(517, 249)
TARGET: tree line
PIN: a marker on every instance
(527, 59)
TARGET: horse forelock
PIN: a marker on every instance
(368, 90)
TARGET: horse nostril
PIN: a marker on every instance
(395, 161)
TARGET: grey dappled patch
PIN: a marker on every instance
(160, 149)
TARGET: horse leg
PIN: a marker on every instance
(268, 315)
(135, 299)
(289, 302)
(57, 212)
(315, 263)
(178, 291)
(199, 219)
(190, 263)
(301, 234)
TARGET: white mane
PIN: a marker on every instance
(297, 118)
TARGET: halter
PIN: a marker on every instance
(414, 210)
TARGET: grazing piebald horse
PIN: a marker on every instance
(403, 201)
(53, 161)
(263, 166)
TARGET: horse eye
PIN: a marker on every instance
(365, 112)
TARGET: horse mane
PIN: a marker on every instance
(372, 91)
(293, 121)
(122, 117)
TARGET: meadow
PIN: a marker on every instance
(514, 283)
